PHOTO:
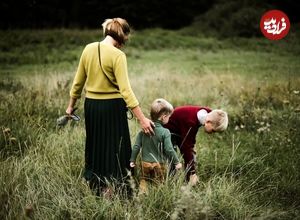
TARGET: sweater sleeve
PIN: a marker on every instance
(136, 147)
(80, 78)
(168, 148)
(121, 74)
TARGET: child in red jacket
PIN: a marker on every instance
(184, 124)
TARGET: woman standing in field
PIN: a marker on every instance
(103, 71)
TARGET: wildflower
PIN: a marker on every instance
(296, 92)
(13, 140)
(286, 101)
(6, 131)
(264, 129)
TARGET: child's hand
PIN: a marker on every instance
(132, 164)
(193, 179)
(178, 166)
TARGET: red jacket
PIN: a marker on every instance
(184, 123)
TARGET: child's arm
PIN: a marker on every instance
(136, 149)
(169, 149)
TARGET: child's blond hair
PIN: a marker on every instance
(160, 107)
(219, 119)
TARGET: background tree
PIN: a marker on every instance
(225, 18)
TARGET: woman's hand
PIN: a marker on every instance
(69, 110)
(147, 126)
(71, 105)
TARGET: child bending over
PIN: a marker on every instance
(184, 124)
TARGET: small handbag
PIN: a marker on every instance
(63, 120)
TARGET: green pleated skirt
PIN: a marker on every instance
(108, 147)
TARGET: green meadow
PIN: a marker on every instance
(250, 171)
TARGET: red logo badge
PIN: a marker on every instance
(274, 24)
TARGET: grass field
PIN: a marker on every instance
(251, 171)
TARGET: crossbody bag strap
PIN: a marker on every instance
(99, 57)
(129, 112)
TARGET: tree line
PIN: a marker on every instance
(171, 14)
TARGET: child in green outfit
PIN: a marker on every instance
(155, 148)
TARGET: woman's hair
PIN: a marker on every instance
(160, 107)
(219, 119)
(117, 28)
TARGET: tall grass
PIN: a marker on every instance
(248, 172)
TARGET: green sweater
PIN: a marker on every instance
(155, 148)
(97, 85)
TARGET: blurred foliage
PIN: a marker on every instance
(91, 13)
(227, 18)
(44, 46)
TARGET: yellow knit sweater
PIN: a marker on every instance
(97, 84)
